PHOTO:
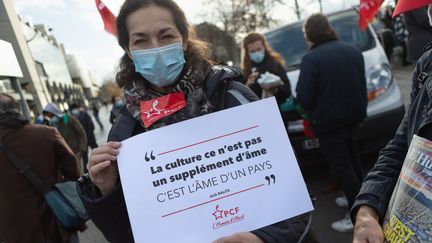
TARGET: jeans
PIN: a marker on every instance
(339, 148)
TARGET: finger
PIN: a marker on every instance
(376, 238)
(114, 144)
(105, 149)
(96, 159)
(220, 240)
(96, 169)
(359, 240)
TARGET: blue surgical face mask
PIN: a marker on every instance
(257, 57)
(54, 121)
(119, 103)
(160, 66)
(75, 112)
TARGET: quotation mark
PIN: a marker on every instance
(152, 157)
(268, 179)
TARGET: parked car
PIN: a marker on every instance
(385, 108)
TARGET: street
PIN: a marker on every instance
(316, 176)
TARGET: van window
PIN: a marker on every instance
(290, 43)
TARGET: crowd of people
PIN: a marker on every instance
(163, 56)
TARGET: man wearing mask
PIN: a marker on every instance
(87, 123)
(24, 213)
(372, 202)
(69, 127)
(332, 88)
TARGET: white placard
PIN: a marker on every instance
(212, 176)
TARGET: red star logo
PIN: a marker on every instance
(218, 213)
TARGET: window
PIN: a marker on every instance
(6, 86)
(40, 69)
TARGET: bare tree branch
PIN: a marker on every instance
(238, 18)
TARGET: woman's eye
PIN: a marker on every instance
(138, 41)
(167, 37)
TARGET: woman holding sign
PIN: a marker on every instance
(167, 77)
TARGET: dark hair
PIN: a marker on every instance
(251, 38)
(197, 51)
(317, 28)
(8, 104)
(74, 106)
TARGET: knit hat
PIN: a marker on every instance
(53, 109)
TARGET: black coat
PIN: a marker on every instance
(332, 86)
(109, 213)
(379, 184)
(88, 125)
(420, 32)
(271, 66)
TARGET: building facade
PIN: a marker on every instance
(46, 75)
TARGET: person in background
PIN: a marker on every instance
(332, 88)
(118, 104)
(39, 119)
(96, 115)
(69, 127)
(401, 37)
(259, 58)
(87, 123)
(387, 35)
(419, 32)
(24, 214)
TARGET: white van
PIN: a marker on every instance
(385, 109)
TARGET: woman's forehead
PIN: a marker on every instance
(150, 20)
(255, 44)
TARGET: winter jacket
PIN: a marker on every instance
(24, 214)
(115, 113)
(332, 86)
(419, 32)
(109, 213)
(271, 66)
(378, 186)
(88, 125)
(73, 133)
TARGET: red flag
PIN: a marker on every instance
(108, 18)
(368, 10)
(408, 5)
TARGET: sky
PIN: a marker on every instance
(78, 25)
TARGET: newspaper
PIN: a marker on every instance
(409, 216)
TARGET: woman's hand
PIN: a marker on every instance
(252, 78)
(273, 90)
(367, 229)
(243, 237)
(102, 167)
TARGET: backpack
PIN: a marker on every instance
(224, 81)
(427, 69)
